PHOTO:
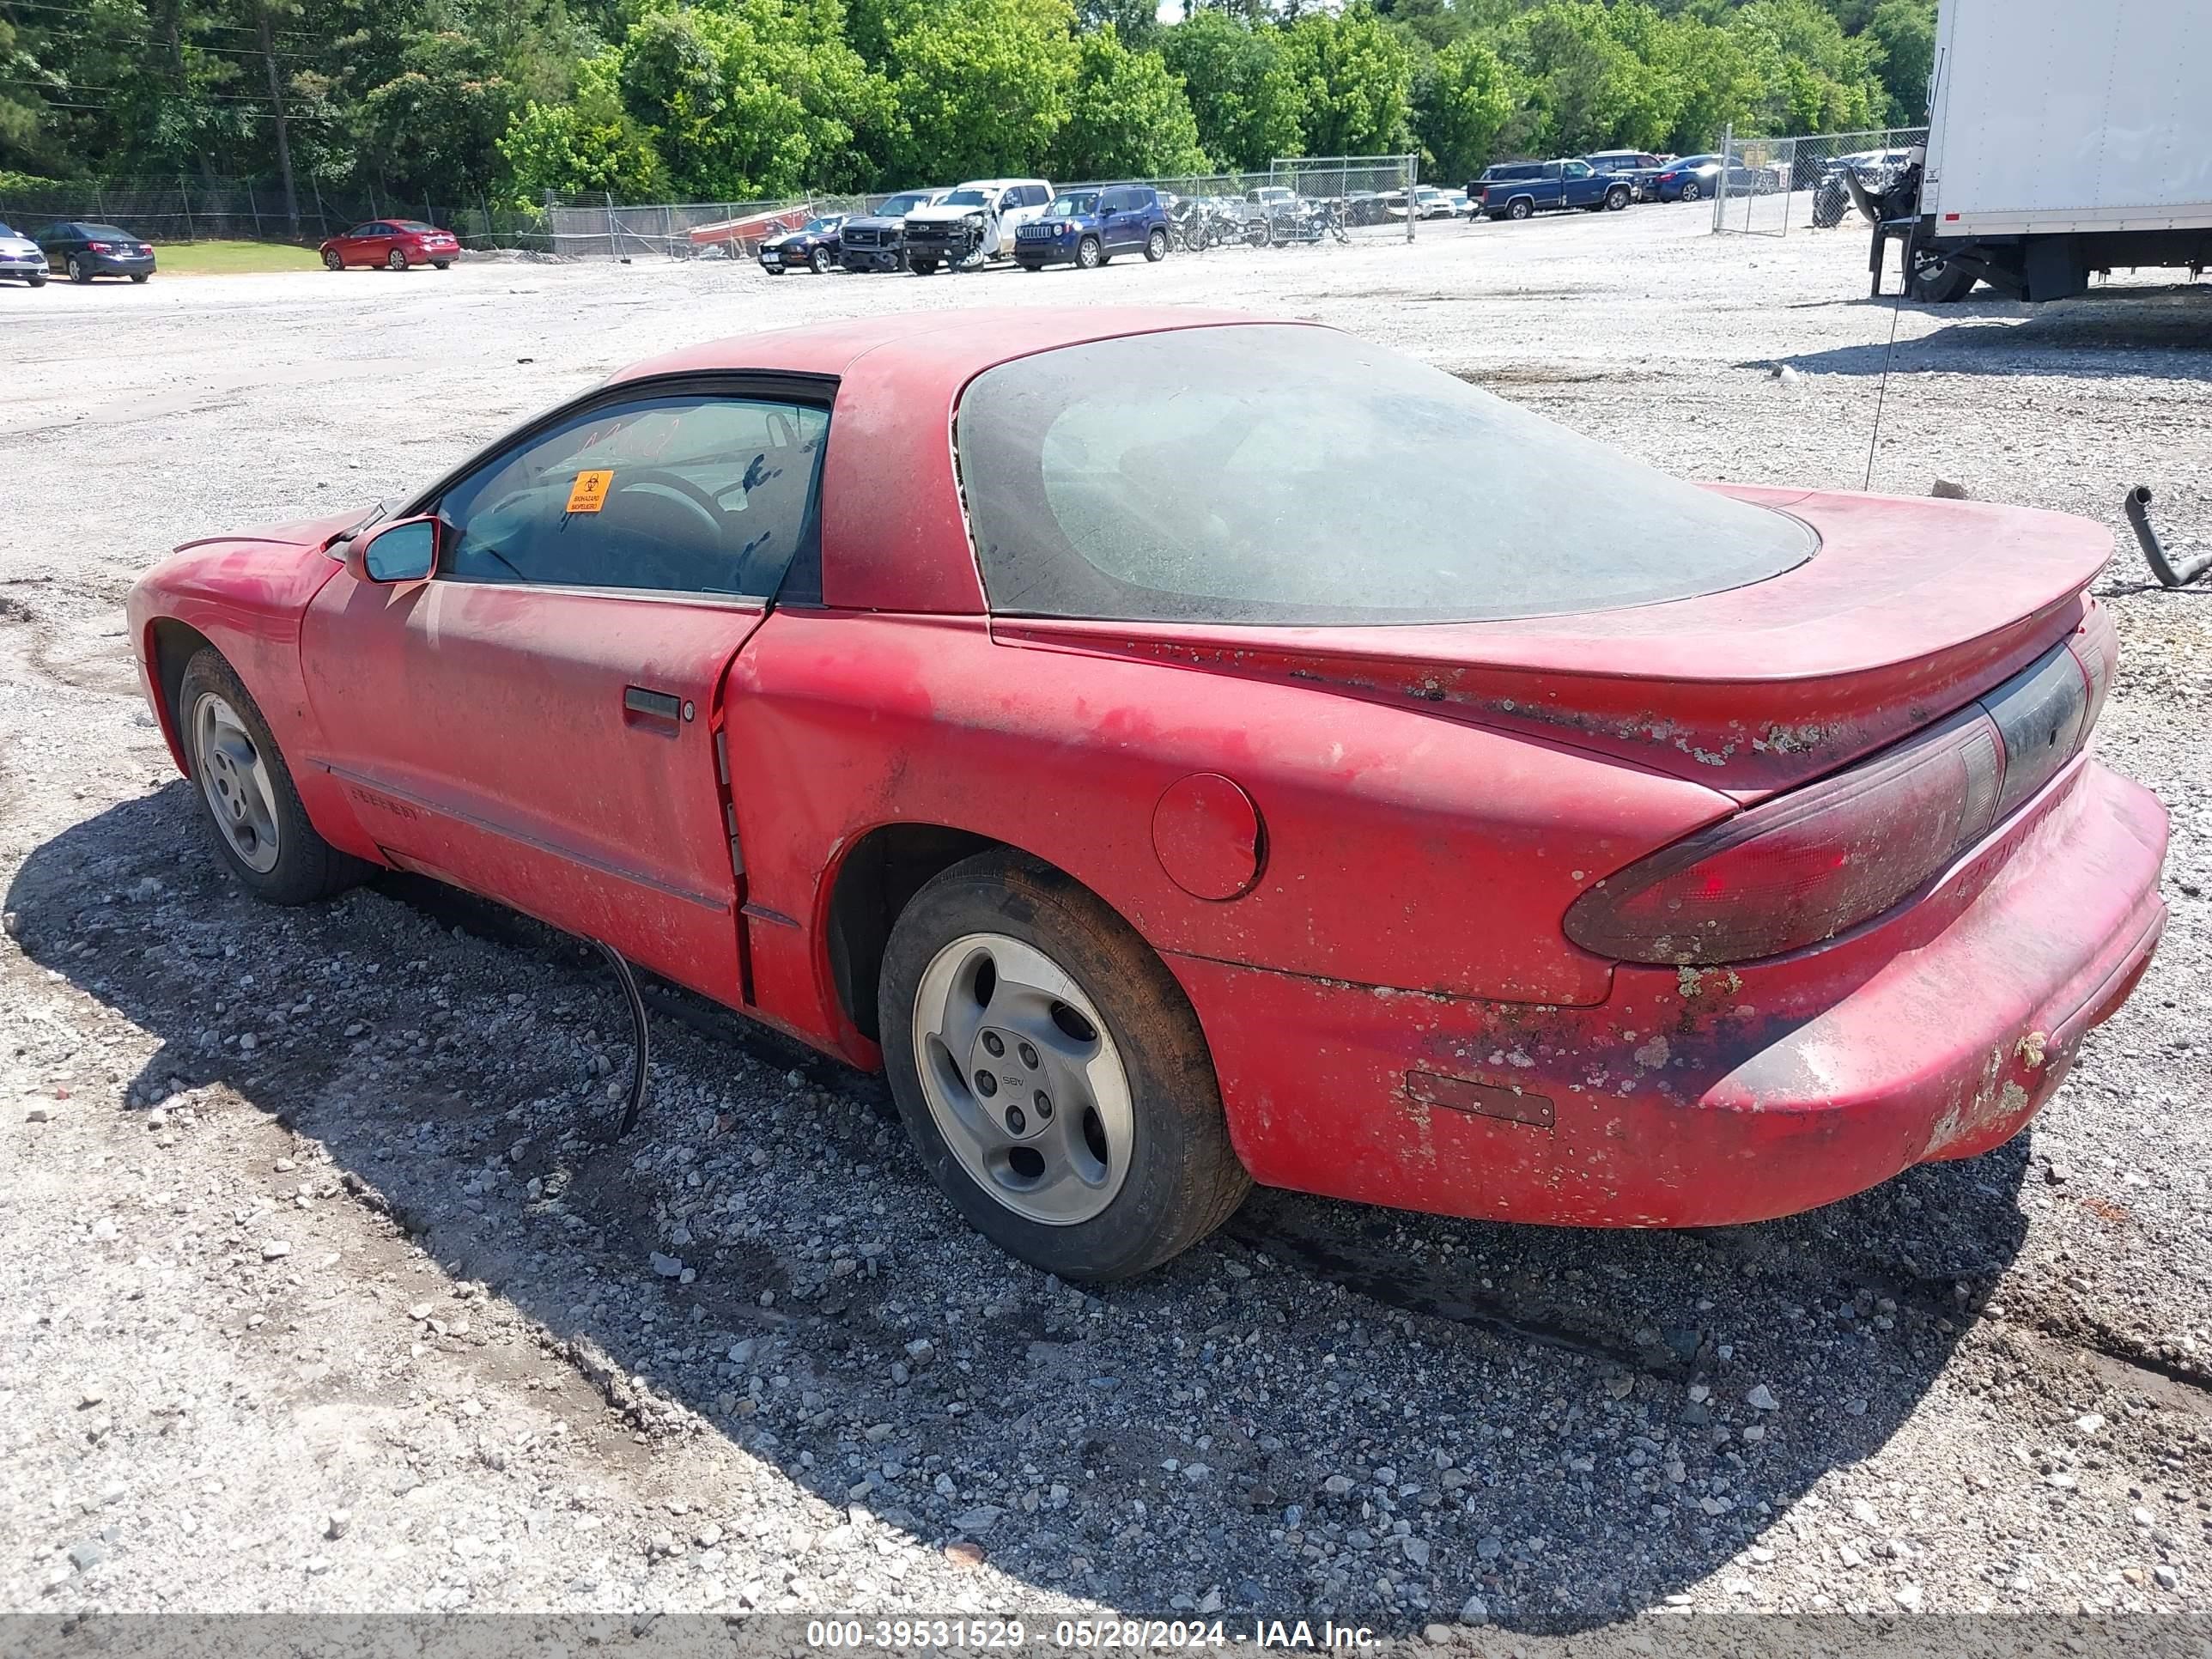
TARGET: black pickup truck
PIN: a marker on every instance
(875, 241)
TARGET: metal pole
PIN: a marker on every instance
(184, 196)
(253, 208)
(1412, 177)
(1720, 188)
(613, 251)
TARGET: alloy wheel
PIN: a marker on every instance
(235, 781)
(1022, 1080)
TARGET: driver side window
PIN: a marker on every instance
(688, 493)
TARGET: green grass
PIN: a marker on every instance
(231, 259)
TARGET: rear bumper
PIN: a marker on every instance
(1700, 1098)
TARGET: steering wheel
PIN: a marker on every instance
(693, 495)
(667, 563)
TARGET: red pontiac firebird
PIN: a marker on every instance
(1074, 713)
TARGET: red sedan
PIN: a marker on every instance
(1169, 798)
(395, 244)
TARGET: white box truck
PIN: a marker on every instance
(2065, 136)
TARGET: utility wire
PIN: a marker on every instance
(1882, 395)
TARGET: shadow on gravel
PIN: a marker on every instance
(2104, 332)
(1326, 1410)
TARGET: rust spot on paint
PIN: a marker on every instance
(1479, 1099)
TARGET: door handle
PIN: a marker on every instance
(659, 710)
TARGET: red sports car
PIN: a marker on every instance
(1074, 713)
(395, 244)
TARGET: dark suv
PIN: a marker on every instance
(1087, 228)
(876, 241)
(1640, 167)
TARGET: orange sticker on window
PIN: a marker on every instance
(589, 493)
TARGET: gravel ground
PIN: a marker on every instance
(320, 1291)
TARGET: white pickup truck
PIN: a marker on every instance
(973, 224)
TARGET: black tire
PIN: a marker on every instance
(1940, 283)
(1030, 265)
(140, 275)
(36, 279)
(821, 262)
(773, 271)
(1183, 1179)
(922, 267)
(333, 260)
(1521, 209)
(395, 260)
(307, 868)
(1691, 190)
(1615, 199)
(1156, 246)
(1089, 255)
(440, 265)
(78, 271)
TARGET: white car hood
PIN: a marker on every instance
(17, 245)
(945, 212)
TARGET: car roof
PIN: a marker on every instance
(998, 184)
(900, 380)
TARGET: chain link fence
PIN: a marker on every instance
(185, 209)
(1772, 187)
(1296, 200)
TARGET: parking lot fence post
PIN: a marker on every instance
(614, 249)
(1412, 169)
(253, 207)
(1720, 185)
(185, 200)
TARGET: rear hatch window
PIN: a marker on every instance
(1276, 473)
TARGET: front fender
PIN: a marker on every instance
(245, 597)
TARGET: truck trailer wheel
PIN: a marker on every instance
(1938, 282)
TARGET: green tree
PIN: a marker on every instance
(590, 143)
(1464, 96)
(1137, 21)
(1238, 79)
(1817, 78)
(748, 98)
(1434, 23)
(980, 86)
(1720, 87)
(433, 129)
(1904, 30)
(1127, 117)
(1586, 89)
(1355, 79)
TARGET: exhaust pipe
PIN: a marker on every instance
(2169, 576)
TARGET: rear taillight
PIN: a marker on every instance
(1804, 866)
(96, 247)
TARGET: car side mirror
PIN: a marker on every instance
(403, 552)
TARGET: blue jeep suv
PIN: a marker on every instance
(1087, 228)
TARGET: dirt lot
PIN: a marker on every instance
(318, 1289)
